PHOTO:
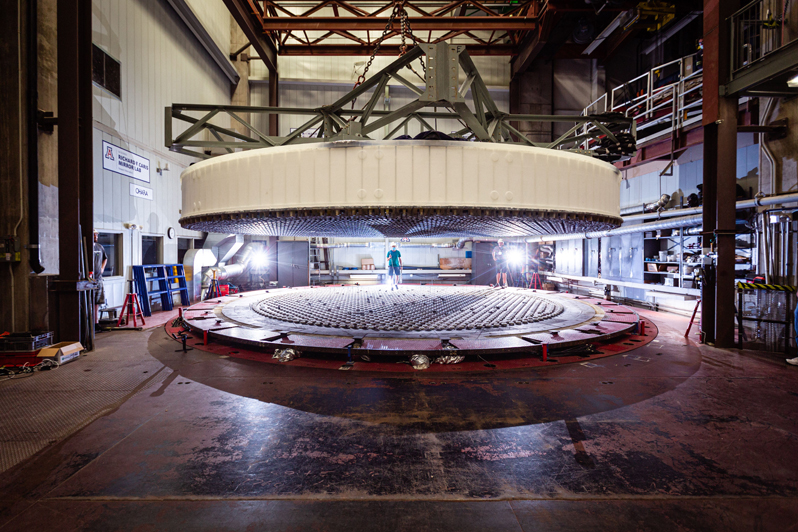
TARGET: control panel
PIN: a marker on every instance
(10, 249)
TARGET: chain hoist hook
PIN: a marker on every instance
(404, 31)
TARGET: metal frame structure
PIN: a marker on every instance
(352, 27)
(483, 121)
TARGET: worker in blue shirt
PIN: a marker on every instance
(395, 266)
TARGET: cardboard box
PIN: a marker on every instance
(454, 264)
(62, 352)
(652, 267)
(366, 264)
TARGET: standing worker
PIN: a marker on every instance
(98, 265)
(395, 266)
(794, 361)
(500, 258)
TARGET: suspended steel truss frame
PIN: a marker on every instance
(450, 80)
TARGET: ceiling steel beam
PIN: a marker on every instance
(385, 49)
(532, 45)
(377, 24)
(246, 17)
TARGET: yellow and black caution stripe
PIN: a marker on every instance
(760, 286)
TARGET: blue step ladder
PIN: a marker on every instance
(167, 279)
(175, 273)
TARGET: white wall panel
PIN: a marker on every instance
(424, 257)
(161, 63)
(688, 173)
(216, 19)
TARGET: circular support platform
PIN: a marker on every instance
(264, 321)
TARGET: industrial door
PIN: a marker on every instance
(293, 268)
(483, 270)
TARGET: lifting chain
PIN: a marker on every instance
(404, 31)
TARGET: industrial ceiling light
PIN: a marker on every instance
(793, 82)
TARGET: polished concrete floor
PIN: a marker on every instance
(671, 436)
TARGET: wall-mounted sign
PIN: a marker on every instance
(125, 162)
(139, 191)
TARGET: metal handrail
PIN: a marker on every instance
(646, 105)
(756, 30)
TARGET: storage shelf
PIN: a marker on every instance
(684, 247)
(676, 237)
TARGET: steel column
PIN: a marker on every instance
(708, 303)
(720, 173)
(86, 101)
(274, 101)
(75, 184)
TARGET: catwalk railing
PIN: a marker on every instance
(658, 102)
(757, 30)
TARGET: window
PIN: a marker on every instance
(183, 245)
(106, 71)
(112, 242)
(151, 250)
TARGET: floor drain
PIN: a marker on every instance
(606, 382)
